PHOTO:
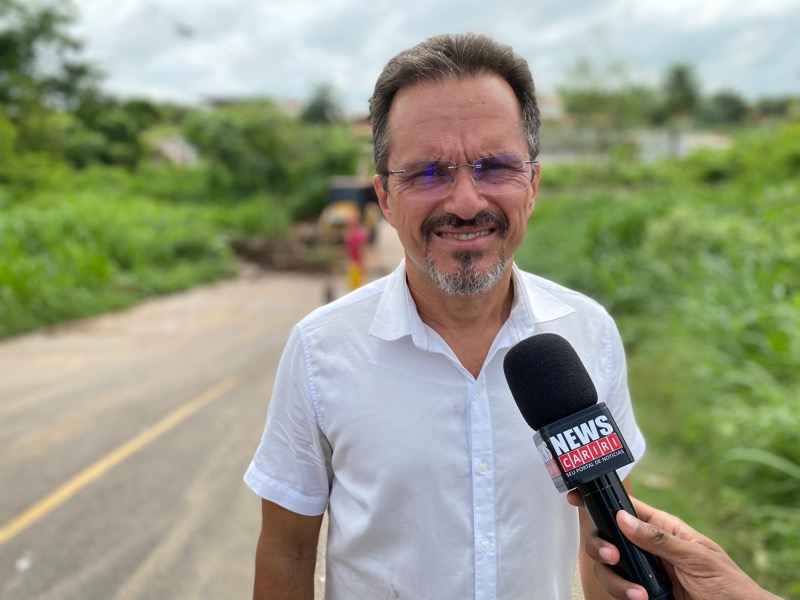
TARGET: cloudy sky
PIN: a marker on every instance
(190, 50)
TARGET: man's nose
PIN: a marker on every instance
(465, 200)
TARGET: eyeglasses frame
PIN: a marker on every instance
(453, 167)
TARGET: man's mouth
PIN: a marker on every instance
(465, 236)
(449, 226)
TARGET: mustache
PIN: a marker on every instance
(497, 219)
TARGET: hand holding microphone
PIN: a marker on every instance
(699, 568)
(580, 444)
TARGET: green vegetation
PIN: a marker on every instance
(698, 262)
(79, 242)
(95, 214)
(79, 252)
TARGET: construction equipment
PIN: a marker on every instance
(350, 197)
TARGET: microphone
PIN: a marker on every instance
(581, 444)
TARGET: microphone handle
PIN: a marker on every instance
(604, 497)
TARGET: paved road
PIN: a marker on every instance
(124, 439)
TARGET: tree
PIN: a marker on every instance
(724, 107)
(42, 78)
(39, 60)
(602, 99)
(773, 107)
(109, 131)
(50, 94)
(681, 98)
(255, 147)
(322, 107)
(680, 91)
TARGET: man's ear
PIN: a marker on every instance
(383, 198)
(537, 169)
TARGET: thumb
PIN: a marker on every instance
(650, 537)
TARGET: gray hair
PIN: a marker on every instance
(451, 56)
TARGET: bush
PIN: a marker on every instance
(86, 253)
(254, 149)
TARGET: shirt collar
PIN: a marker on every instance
(533, 304)
(397, 315)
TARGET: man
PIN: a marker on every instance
(698, 567)
(390, 406)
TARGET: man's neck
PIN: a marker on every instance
(469, 324)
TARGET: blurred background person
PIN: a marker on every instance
(356, 239)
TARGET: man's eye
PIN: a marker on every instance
(495, 164)
(435, 170)
(427, 171)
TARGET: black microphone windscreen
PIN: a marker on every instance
(548, 379)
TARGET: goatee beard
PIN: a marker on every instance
(467, 279)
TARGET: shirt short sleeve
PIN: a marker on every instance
(618, 395)
(291, 466)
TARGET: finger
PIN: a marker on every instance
(652, 538)
(616, 586)
(601, 551)
(575, 499)
(669, 523)
(643, 510)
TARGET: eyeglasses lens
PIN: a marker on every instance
(502, 174)
(493, 175)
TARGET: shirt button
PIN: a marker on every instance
(486, 545)
(483, 468)
(479, 388)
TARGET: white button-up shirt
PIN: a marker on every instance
(432, 481)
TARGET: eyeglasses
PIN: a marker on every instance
(492, 176)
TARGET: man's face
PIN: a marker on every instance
(464, 242)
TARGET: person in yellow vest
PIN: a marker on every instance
(355, 241)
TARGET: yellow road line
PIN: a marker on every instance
(108, 462)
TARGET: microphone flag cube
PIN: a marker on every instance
(582, 447)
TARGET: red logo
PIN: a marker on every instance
(590, 452)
